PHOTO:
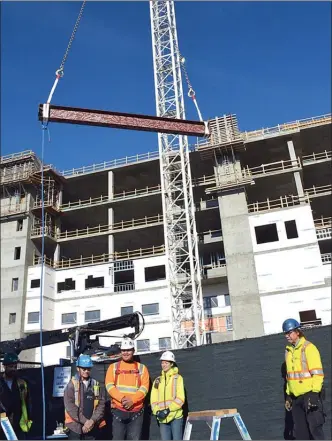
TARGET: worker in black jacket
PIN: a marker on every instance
(14, 398)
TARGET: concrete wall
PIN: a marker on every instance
(276, 308)
(245, 374)
(109, 303)
(290, 272)
(12, 301)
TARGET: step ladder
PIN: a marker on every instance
(7, 427)
(215, 417)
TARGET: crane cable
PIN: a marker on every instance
(191, 92)
(58, 74)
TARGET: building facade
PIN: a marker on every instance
(263, 217)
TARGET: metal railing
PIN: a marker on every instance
(290, 200)
(287, 127)
(123, 265)
(209, 233)
(273, 204)
(15, 156)
(103, 258)
(326, 258)
(321, 156)
(47, 203)
(124, 287)
(105, 199)
(323, 222)
(100, 229)
(110, 164)
(118, 226)
(318, 191)
(324, 233)
(273, 167)
(263, 170)
(311, 324)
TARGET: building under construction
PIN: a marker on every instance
(263, 225)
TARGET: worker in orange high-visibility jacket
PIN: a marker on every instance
(305, 377)
(127, 382)
(84, 402)
(167, 399)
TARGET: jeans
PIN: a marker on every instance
(172, 430)
(307, 424)
(126, 425)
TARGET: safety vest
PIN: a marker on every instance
(127, 379)
(168, 392)
(25, 423)
(96, 393)
(304, 368)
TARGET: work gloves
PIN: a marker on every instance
(162, 414)
(288, 403)
(313, 401)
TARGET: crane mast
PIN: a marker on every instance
(182, 267)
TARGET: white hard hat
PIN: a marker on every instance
(168, 356)
(127, 343)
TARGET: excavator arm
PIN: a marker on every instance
(78, 335)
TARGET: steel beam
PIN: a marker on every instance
(131, 121)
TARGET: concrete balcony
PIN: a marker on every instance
(214, 270)
(210, 236)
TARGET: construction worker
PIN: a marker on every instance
(84, 402)
(167, 399)
(127, 382)
(14, 398)
(304, 378)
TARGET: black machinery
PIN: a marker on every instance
(79, 337)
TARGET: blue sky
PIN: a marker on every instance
(267, 62)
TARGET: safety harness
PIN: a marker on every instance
(137, 372)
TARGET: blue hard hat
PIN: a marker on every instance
(290, 325)
(10, 358)
(84, 361)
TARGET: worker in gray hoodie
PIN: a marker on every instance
(84, 402)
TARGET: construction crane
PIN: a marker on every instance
(182, 268)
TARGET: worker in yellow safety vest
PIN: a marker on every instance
(167, 399)
(305, 379)
(84, 402)
(14, 397)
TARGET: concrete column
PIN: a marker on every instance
(56, 256)
(241, 270)
(110, 236)
(297, 176)
(110, 184)
(110, 216)
(60, 196)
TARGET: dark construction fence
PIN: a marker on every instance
(245, 374)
